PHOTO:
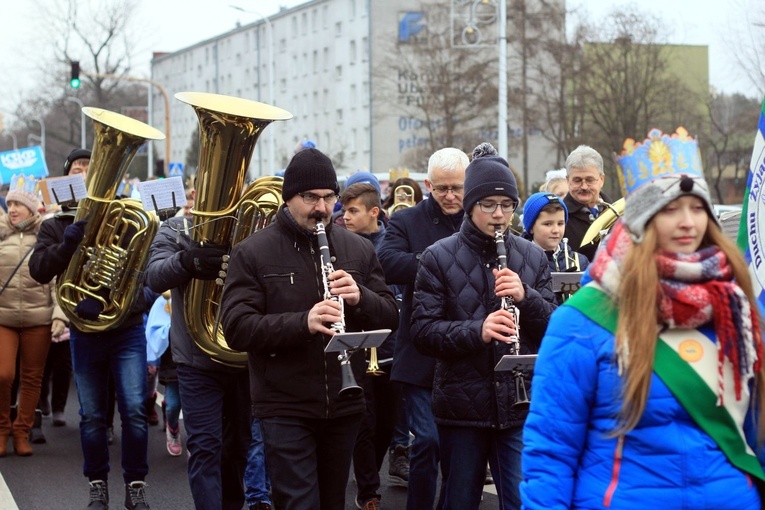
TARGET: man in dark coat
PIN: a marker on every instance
(410, 231)
(120, 350)
(273, 308)
(585, 201)
(458, 319)
(215, 397)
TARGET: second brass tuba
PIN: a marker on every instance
(224, 212)
(109, 262)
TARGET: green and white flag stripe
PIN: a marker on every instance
(686, 361)
(751, 233)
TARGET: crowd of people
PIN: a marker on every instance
(645, 388)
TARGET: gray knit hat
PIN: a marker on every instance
(646, 201)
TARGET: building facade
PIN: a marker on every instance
(363, 81)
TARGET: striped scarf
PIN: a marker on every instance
(694, 289)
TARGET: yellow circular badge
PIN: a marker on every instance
(690, 350)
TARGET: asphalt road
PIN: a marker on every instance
(52, 479)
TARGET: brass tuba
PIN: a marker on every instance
(224, 212)
(603, 223)
(108, 264)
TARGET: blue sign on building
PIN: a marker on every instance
(27, 161)
(410, 24)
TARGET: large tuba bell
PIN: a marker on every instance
(108, 265)
(224, 212)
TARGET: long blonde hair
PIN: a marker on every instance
(639, 322)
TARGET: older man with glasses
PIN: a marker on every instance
(585, 201)
(410, 232)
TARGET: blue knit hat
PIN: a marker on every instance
(364, 177)
(534, 206)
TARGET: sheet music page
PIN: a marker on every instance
(162, 191)
(63, 190)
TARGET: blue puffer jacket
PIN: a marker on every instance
(668, 462)
(454, 293)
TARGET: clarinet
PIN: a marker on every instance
(506, 302)
(349, 387)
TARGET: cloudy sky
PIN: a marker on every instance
(175, 24)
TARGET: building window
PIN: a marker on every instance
(326, 59)
(365, 93)
(283, 84)
(326, 100)
(353, 97)
(364, 49)
(315, 105)
(325, 17)
(339, 116)
(338, 73)
(352, 53)
(315, 61)
(305, 64)
(339, 29)
(294, 26)
(304, 23)
(352, 8)
(314, 20)
(294, 66)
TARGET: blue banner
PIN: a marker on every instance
(27, 161)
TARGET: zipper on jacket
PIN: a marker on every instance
(274, 275)
(618, 452)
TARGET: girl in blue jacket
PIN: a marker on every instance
(649, 379)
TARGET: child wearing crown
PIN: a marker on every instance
(649, 379)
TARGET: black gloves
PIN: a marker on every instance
(203, 262)
(89, 308)
(73, 235)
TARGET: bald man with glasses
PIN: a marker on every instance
(410, 232)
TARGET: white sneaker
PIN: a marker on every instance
(174, 447)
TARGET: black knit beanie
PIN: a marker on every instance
(74, 156)
(485, 176)
(309, 169)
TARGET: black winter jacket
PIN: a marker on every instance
(454, 294)
(579, 220)
(49, 259)
(410, 231)
(274, 279)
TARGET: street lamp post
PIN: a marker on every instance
(82, 118)
(13, 137)
(271, 78)
(40, 121)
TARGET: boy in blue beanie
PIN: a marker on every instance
(544, 218)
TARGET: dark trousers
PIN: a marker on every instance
(309, 460)
(464, 453)
(216, 414)
(382, 398)
(57, 376)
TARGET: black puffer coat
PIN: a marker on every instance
(454, 293)
(274, 279)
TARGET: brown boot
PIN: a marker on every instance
(21, 444)
(4, 444)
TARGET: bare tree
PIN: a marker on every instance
(616, 82)
(733, 118)
(101, 35)
(745, 40)
(442, 88)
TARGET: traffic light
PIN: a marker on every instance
(74, 81)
